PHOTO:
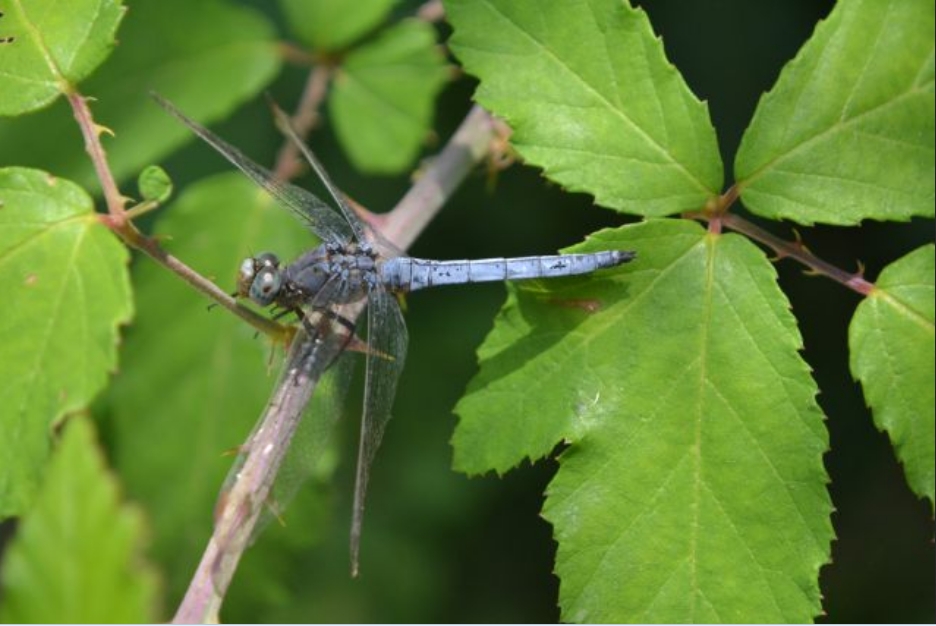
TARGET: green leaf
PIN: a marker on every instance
(66, 289)
(692, 487)
(194, 379)
(592, 100)
(892, 354)
(154, 184)
(208, 62)
(54, 48)
(334, 24)
(383, 97)
(847, 132)
(76, 558)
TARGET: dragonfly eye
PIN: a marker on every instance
(266, 285)
(266, 259)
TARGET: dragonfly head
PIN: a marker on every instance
(260, 278)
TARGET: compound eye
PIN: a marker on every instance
(267, 259)
(266, 285)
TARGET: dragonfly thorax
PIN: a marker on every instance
(260, 278)
(332, 273)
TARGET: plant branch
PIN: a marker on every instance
(718, 216)
(91, 133)
(118, 220)
(288, 164)
(241, 506)
(467, 147)
(431, 11)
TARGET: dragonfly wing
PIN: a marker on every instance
(251, 480)
(321, 218)
(304, 457)
(285, 125)
(387, 340)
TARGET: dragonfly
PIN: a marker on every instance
(355, 264)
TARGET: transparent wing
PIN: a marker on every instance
(249, 485)
(322, 219)
(305, 456)
(387, 340)
(285, 125)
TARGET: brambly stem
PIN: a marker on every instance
(242, 506)
(718, 215)
(119, 220)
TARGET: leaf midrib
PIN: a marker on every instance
(621, 114)
(915, 89)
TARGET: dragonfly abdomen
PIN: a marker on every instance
(409, 274)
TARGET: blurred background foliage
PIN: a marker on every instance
(440, 547)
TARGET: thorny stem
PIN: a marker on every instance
(118, 220)
(239, 509)
(718, 215)
(91, 133)
(243, 504)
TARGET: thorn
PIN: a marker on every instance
(861, 269)
(799, 241)
(275, 511)
(101, 130)
(233, 451)
(811, 272)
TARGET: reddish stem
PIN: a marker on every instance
(117, 220)
(717, 215)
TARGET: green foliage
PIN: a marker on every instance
(330, 25)
(55, 49)
(892, 354)
(65, 276)
(691, 484)
(200, 67)
(77, 554)
(586, 113)
(695, 442)
(847, 132)
(384, 95)
(222, 391)
(154, 184)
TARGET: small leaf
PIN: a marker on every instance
(199, 416)
(847, 132)
(334, 24)
(383, 97)
(892, 354)
(76, 557)
(53, 49)
(154, 184)
(592, 100)
(207, 57)
(67, 291)
(692, 488)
